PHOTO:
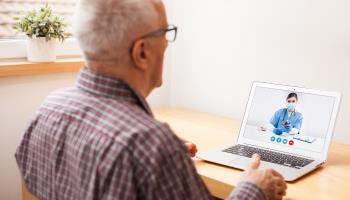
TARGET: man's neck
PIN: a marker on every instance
(134, 79)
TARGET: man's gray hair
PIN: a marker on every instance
(105, 29)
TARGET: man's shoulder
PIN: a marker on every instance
(60, 96)
(74, 101)
(124, 122)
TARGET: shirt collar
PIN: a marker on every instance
(110, 87)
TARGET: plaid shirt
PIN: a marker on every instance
(99, 140)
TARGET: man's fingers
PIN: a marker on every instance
(275, 173)
(278, 197)
(192, 149)
(279, 181)
(281, 190)
(195, 148)
(193, 152)
(255, 162)
(284, 184)
(282, 193)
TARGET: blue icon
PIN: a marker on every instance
(279, 140)
(273, 138)
(285, 141)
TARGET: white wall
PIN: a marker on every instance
(225, 45)
(19, 98)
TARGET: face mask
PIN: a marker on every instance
(291, 106)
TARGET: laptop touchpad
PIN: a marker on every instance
(241, 163)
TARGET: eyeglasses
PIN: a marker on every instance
(170, 35)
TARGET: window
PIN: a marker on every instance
(13, 45)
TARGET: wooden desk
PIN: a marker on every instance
(210, 131)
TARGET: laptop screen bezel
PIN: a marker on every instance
(322, 156)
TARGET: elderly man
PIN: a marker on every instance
(99, 139)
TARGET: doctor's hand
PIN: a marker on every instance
(287, 128)
(278, 131)
(192, 148)
(268, 180)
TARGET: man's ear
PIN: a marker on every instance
(140, 55)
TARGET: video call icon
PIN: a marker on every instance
(280, 140)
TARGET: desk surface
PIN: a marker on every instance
(209, 131)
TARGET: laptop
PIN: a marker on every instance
(290, 127)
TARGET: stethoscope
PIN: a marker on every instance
(286, 115)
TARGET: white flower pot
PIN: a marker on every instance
(40, 50)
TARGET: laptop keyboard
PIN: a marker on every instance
(269, 156)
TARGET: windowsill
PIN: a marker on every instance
(22, 67)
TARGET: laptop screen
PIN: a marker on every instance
(296, 120)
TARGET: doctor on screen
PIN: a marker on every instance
(286, 120)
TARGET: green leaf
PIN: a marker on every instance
(42, 23)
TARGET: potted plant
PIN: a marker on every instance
(44, 30)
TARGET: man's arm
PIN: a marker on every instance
(247, 191)
(175, 176)
(172, 174)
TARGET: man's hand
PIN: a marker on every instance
(268, 180)
(192, 149)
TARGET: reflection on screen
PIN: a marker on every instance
(296, 120)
